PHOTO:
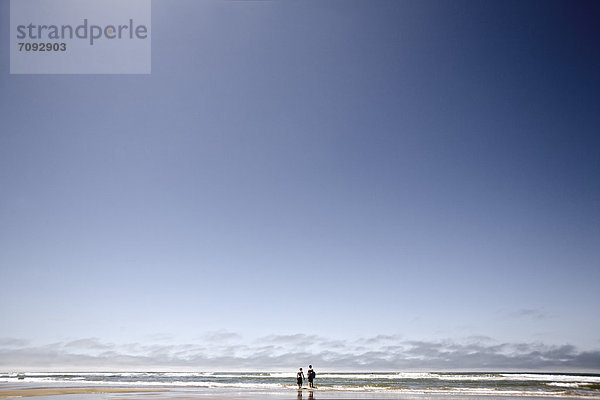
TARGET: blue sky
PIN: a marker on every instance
(297, 179)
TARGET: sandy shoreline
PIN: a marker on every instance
(58, 391)
(11, 393)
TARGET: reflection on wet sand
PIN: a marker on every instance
(311, 395)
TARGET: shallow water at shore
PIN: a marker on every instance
(330, 385)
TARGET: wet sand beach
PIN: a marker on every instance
(170, 393)
(12, 392)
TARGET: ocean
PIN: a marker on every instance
(334, 383)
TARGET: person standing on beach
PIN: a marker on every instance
(300, 378)
(310, 374)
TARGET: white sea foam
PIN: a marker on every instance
(492, 391)
(322, 375)
(567, 384)
(282, 374)
(186, 374)
(554, 378)
(374, 376)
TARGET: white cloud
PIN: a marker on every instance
(88, 344)
(13, 342)
(530, 313)
(280, 352)
(221, 335)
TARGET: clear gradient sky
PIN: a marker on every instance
(368, 184)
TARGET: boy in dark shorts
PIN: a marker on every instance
(300, 378)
